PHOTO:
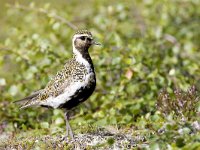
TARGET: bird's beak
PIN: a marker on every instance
(95, 43)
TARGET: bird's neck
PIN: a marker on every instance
(82, 56)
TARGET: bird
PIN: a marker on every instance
(72, 85)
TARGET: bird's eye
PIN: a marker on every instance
(89, 39)
(82, 38)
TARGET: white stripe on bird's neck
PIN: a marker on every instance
(78, 56)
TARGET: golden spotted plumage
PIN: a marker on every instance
(72, 71)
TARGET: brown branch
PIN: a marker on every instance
(45, 12)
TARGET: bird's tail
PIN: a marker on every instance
(28, 101)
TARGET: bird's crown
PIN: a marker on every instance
(86, 32)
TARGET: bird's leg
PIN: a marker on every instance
(68, 128)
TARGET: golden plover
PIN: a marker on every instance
(71, 85)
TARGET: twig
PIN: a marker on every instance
(47, 13)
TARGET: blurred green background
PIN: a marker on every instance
(147, 45)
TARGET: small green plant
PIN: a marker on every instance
(181, 104)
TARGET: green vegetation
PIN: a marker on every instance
(148, 71)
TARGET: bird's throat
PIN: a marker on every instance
(82, 56)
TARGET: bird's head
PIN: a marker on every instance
(83, 39)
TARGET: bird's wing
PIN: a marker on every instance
(53, 88)
(57, 85)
